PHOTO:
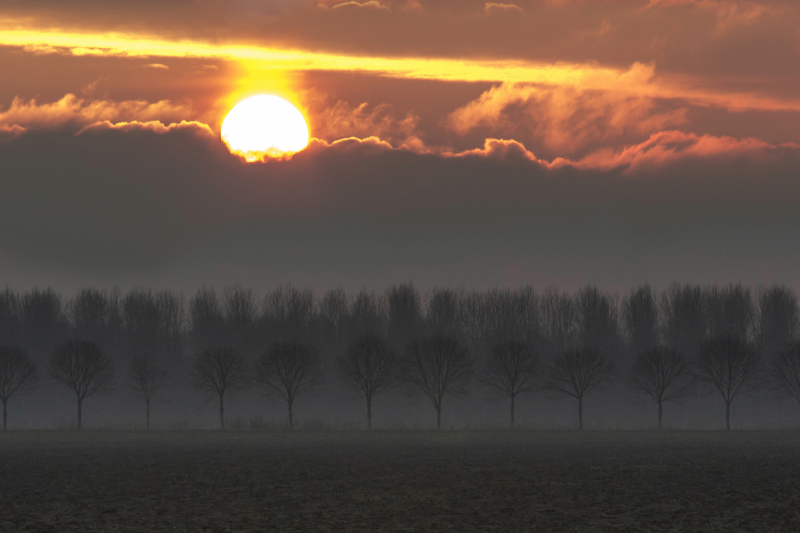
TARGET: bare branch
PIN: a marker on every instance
(289, 368)
(437, 366)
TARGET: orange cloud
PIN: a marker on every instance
(80, 111)
(499, 149)
(564, 119)
(492, 8)
(343, 120)
(372, 4)
(157, 66)
(671, 146)
(155, 126)
(9, 132)
(729, 14)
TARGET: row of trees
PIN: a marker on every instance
(568, 344)
(434, 366)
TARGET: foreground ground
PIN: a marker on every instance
(394, 481)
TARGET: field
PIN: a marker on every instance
(399, 481)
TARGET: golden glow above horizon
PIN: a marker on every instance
(264, 126)
(638, 80)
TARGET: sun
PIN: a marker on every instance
(264, 126)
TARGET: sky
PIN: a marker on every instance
(454, 143)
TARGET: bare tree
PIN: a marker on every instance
(436, 366)
(684, 318)
(444, 311)
(206, 320)
(730, 364)
(512, 368)
(369, 365)
(597, 320)
(18, 373)
(557, 320)
(730, 312)
(220, 370)
(785, 371)
(288, 314)
(289, 368)
(146, 378)
(83, 368)
(241, 318)
(778, 320)
(404, 309)
(96, 317)
(577, 372)
(663, 374)
(640, 314)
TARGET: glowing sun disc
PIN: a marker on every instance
(264, 126)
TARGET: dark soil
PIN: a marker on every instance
(394, 481)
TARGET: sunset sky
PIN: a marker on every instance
(454, 142)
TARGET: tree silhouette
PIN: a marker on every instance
(640, 314)
(577, 372)
(785, 371)
(18, 373)
(436, 366)
(730, 365)
(684, 318)
(289, 368)
(512, 368)
(778, 320)
(663, 374)
(369, 365)
(146, 378)
(83, 368)
(220, 370)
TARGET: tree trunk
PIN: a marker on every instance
(580, 413)
(512, 411)
(5, 416)
(438, 417)
(291, 417)
(369, 412)
(659, 415)
(221, 411)
(728, 416)
(148, 414)
(80, 412)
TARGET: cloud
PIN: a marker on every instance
(71, 109)
(667, 147)
(155, 126)
(372, 4)
(133, 203)
(566, 120)
(10, 131)
(157, 66)
(492, 8)
(729, 14)
(141, 202)
(342, 120)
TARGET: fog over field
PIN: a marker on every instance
(491, 334)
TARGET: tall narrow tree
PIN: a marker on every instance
(663, 374)
(577, 372)
(512, 368)
(437, 366)
(640, 315)
(289, 368)
(219, 371)
(730, 365)
(18, 373)
(785, 371)
(146, 378)
(369, 365)
(83, 368)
